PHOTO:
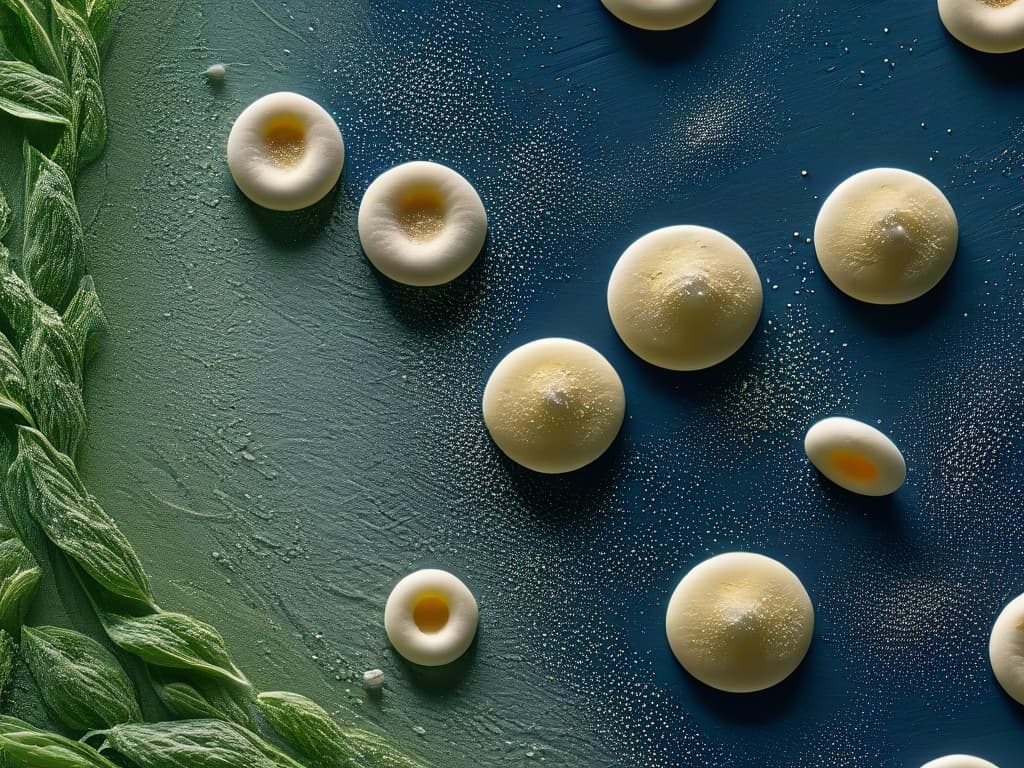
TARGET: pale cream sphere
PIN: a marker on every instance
(959, 761)
(740, 622)
(554, 405)
(886, 236)
(658, 15)
(285, 152)
(684, 297)
(990, 26)
(1006, 649)
(422, 224)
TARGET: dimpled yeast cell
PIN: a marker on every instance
(684, 297)
(431, 617)
(658, 15)
(285, 152)
(740, 622)
(422, 224)
(855, 456)
(990, 26)
(554, 405)
(886, 236)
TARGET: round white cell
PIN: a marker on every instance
(991, 26)
(684, 297)
(740, 622)
(422, 224)
(285, 152)
(658, 15)
(554, 405)
(886, 236)
(959, 761)
(431, 617)
(1006, 649)
(855, 456)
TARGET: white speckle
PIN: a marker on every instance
(419, 730)
(373, 678)
(216, 72)
(803, 173)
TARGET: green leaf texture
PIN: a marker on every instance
(75, 42)
(174, 640)
(19, 576)
(17, 304)
(53, 254)
(307, 728)
(8, 651)
(6, 217)
(51, 359)
(100, 13)
(27, 93)
(46, 482)
(25, 746)
(189, 695)
(91, 112)
(80, 681)
(32, 37)
(14, 396)
(72, 36)
(195, 744)
(83, 317)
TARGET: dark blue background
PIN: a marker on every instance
(714, 125)
(582, 135)
(283, 434)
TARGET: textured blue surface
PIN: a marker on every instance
(615, 132)
(272, 420)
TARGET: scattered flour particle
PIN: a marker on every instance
(216, 73)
